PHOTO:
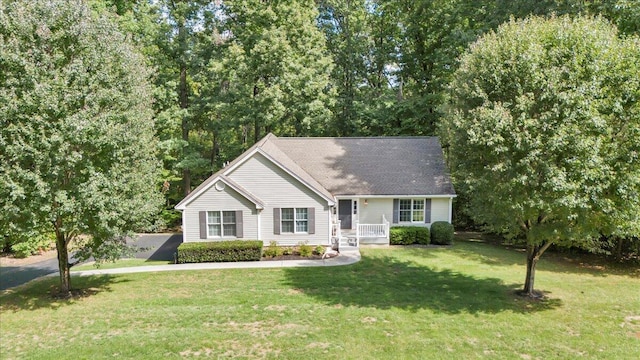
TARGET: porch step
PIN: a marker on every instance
(348, 241)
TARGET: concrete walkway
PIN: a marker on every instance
(347, 256)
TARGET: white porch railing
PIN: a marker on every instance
(372, 230)
(363, 231)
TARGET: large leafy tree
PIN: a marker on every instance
(182, 23)
(543, 133)
(274, 73)
(175, 36)
(363, 39)
(77, 153)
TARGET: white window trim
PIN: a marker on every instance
(411, 211)
(295, 220)
(222, 224)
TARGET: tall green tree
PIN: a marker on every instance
(181, 22)
(344, 26)
(77, 152)
(274, 74)
(625, 14)
(175, 36)
(433, 35)
(543, 133)
(362, 37)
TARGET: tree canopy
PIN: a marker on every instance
(542, 133)
(76, 130)
(323, 68)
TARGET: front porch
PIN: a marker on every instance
(360, 234)
(358, 220)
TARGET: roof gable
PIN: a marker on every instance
(273, 154)
(212, 181)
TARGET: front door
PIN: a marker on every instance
(344, 213)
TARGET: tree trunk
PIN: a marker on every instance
(186, 173)
(618, 250)
(256, 122)
(63, 263)
(532, 261)
(215, 149)
(533, 255)
(183, 92)
(256, 130)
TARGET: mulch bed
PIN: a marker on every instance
(296, 257)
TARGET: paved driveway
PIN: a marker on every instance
(11, 276)
(157, 246)
(151, 246)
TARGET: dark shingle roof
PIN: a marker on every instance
(352, 166)
(373, 165)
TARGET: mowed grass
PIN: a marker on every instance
(399, 303)
(121, 263)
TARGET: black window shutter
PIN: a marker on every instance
(427, 211)
(239, 225)
(276, 221)
(396, 210)
(311, 213)
(203, 224)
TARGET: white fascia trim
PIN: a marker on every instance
(229, 169)
(346, 197)
(212, 183)
(330, 202)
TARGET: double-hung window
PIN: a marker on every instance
(294, 220)
(411, 210)
(302, 220)
(221, 223)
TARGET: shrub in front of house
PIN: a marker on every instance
(407, 235)
(442, 233)
(305, 249)
(273, 250)
(220, 251)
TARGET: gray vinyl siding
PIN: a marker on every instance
(440, 210)
(214, 200)
(435, 210)
(375, 208)
(277, 189)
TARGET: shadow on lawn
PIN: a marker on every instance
(42, 293)
(385, 282)
(490, 249)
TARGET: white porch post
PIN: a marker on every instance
(330, 224)
(357, 233)
(450, 209)
(259, 237)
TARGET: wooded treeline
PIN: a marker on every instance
(228, 72)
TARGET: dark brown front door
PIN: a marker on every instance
(344, 213)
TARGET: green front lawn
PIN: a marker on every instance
(121, 263)
(400, 303)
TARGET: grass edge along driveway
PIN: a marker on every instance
(410, 303)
